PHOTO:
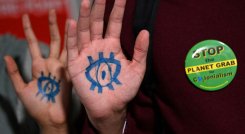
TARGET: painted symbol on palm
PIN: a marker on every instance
(105, 73)
(48, 87)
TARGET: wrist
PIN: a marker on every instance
(54, 129)
(110, 124)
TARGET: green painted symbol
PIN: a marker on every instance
(211, 65)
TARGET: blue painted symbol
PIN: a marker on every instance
(103, 75)
(48, 87)
(199, 79)
(107, 75)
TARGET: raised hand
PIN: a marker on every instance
(103, 77)
(46, 97)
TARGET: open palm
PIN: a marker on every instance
(46, 97)
(102, 76)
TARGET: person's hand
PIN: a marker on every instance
(103, 77)
(46, 97)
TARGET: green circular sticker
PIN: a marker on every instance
(211, 65)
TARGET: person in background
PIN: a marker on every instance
(47, 96)
(14, 118)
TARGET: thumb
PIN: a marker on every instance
(14, 74)
(141, 48)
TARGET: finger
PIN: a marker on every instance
(63, 57)
(31, 38)
(83, 24)
(141, 48)
(115, 21)
(14, 74)
(72, 48)
(97, 19)
(54, 35)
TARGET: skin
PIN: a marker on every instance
(106, 110)
(51, 117)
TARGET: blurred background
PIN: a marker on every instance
(12, 10)
(13, 117)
